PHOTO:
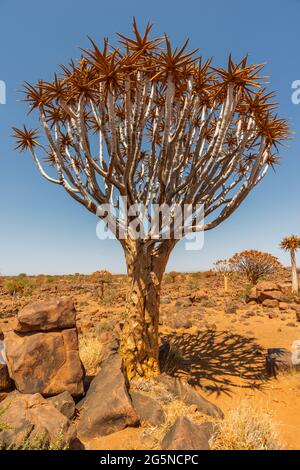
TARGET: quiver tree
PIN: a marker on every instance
(223, 267)
(101, 278)
(254, 264)
(292, 244)
(155, 125)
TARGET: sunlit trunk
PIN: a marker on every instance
(139, 342)
(295, 286)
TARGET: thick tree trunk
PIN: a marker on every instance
(295, 286)
(139, 342)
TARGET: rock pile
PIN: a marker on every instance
(267, 293)
(42, 349)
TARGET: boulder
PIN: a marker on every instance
(186, 393)
(185, 435)
(270, 303)
(107, 407)
(264, 292)
(64, 403)
(32, 421)
(47, 315)
(183, 302)
(274, 295)
(272, 314)
(148, 410)
(266, 286)
(230, 308)
(296, 358)
(5, 380)
(295, 345)
(180, 321)
(278, 360)
(46, 363)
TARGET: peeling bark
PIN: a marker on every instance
(139, 344)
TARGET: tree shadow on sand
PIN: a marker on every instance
(214, 360)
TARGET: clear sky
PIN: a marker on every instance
(43, 230)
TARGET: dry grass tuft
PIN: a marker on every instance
(90, 351)
(246, 427)
(173, 408)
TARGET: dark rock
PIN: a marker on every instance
(64, 403)
(187, 394)
(272, 315)
(47, 315)
(183, 302)
(185, 435)
(148, 410)
(3, 395)
(110, 345)
(270, 303)
(107, 407)
(278, 360)
(5, 380)
(34, 419)
(230, 309)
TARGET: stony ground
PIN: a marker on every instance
(219, 341)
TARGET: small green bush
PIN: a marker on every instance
(18, 286)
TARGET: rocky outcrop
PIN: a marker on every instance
(267, 293)
(45, 361)
(30, 421)
(185, 435)
(107, 407)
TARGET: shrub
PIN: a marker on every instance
(246, 427)
(254, 264)
(18, 286)
(90, 349)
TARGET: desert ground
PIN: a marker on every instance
(218, 339)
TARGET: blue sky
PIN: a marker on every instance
(42, 229)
